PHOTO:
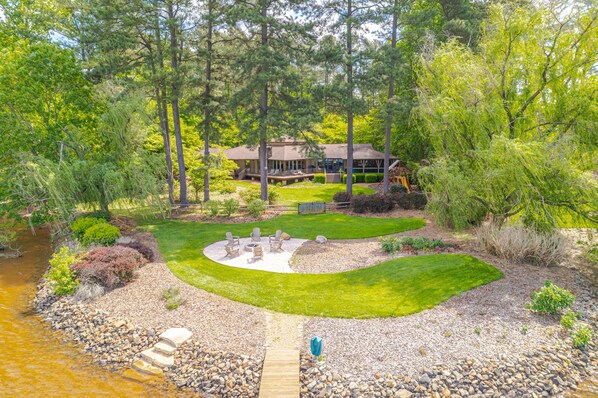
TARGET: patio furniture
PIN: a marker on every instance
(255, 235)
(231, 251)
(258, 253)
(232, 240)
(276, 241)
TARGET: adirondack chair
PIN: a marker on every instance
(258, 253)
(255, 235)
(275, 241)
(232, 240)
(231, 251)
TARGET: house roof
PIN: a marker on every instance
(295, 151)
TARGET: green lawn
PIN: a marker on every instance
(309, 192)
(394, 288)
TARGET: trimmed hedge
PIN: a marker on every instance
(371, 178)
(344, 178)
(320, 178)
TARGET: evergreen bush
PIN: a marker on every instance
(320, 178)
(80, 225)
(230, 206)
(257, 207)
(101, 234)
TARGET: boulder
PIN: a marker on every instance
(285, 236)
(321, 239)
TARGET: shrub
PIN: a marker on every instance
(230, 206)
(80, 225)
(224, 187)
(371, 178)
(390, 244)
(418, 200)
(212, 207)
(582, 335)
(568, 319)
(62, 277)
(109, 266)
(88, 291)
(172, 298)
(524, 245)
(398, 188)
(342, 196)
(359, 177)
(377, 203)
(101, 214)
(344, 178)
(145, 251)
(550, 299)
(257, 207)
(102, 234)
(273, 194)
(249, 194)
(320, 178)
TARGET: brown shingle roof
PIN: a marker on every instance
(295, 152)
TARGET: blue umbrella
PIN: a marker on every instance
(316, 346)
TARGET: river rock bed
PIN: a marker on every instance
(117, 343)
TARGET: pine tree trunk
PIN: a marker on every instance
(207, 113)
(263, 115)
(161, 103)
(350, 98)
(391, 92)
(175, 105)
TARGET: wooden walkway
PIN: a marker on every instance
(280, 375)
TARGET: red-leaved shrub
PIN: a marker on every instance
(141, 248)
(109, 266)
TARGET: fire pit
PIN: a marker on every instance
(250, 246)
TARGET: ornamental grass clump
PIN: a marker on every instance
(109, 266)
(60, 274)
(550, 299)
(523, 245)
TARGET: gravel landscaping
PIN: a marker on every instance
(480, 343)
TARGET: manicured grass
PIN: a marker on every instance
(309, 192)
(394, 288)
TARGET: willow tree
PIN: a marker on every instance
(515, 123)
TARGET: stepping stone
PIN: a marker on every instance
(147, 368)
(165, 347)
(156, 358)
(176, 336)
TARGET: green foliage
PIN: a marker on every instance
(320, 178)
(344, 178)
(80, 225)
(371, 178)
(392, 244)
(98, 214)
(250, 193)
(60, 274)
(398, 188)
(213, 207)
(273, 194)
(377, 203)
(101, 234)
(172, 298)
(550, 299)
(582, 335)
(224, 187)
(257, 207)
(569, 318)
(502, 148)
(230, 206)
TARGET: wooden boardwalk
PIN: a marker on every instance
(280, 375)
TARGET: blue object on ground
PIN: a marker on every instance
(316, 346)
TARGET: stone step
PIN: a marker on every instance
(176, 336)
(157, 358)
(146, 368)
(164, 347)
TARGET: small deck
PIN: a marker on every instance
(280, 375)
